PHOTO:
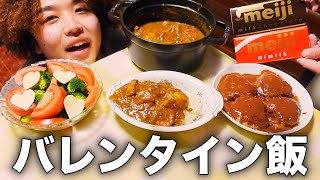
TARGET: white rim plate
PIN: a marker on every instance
(298, 90)
(209, 100)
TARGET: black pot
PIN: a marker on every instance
(179, 57)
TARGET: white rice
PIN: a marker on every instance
(195, 104)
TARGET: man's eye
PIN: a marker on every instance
(82, 10)
(50, 18)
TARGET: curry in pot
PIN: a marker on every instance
(153, 103)
(264, 102)
(168, 32)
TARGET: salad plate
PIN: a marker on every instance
(43, 117)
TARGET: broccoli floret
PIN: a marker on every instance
(25, 119)
(77, 85)
(39, 94)
(78, 95)
(47, 75)
(44, 82)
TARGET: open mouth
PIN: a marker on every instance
(78, 47)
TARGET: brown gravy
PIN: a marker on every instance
(153, 103)
(264, 102)
(168, 32)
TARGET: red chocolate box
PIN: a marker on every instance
(266, 16)
(272, 46)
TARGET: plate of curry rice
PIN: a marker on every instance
(263, 100)
(166, 101)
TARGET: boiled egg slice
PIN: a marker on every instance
(73, 106)
(24, 100)
(64, 77)
(30, 79)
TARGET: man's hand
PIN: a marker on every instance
(313, 5)
(311, 56)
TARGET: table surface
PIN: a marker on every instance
(102, 122)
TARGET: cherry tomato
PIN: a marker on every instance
(51, 103)
(89, 102)
(15, 109)
(46, 121)
(55, 66)
(18, 77)
(85, 74)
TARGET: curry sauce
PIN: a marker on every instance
(264, 102)
(168, 32)
(153, 103)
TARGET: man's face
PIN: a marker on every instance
(68, 29)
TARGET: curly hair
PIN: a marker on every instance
(18, 21)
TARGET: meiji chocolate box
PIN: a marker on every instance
(272, 46)
(266, 16)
